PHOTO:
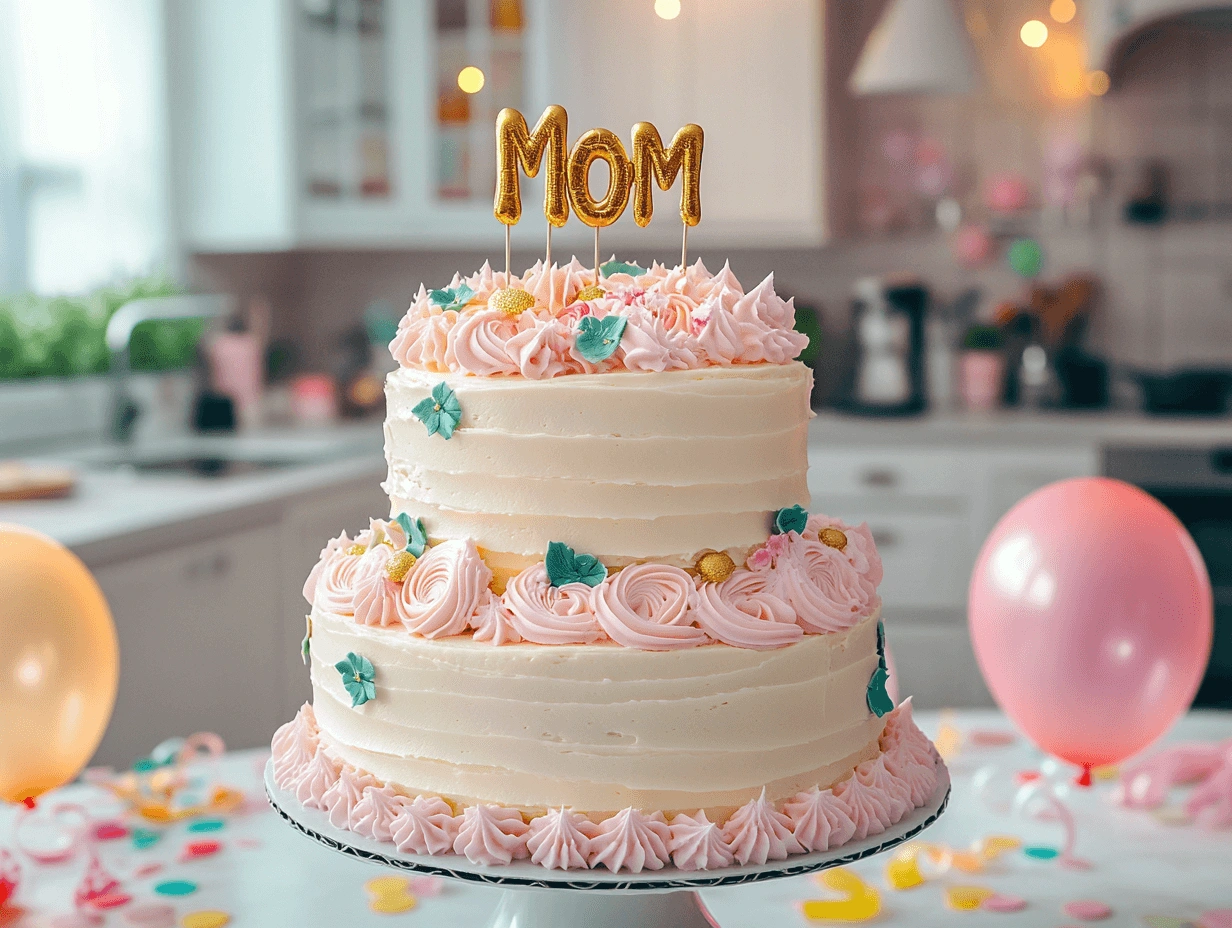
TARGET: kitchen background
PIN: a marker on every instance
(1007, 225)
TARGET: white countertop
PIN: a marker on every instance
(112, 502)
(1009, 428)
(267, 875)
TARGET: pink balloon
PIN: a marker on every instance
(1091, 616)
(891, 677)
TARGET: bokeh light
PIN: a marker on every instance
(1063, 10)
(1033, 33)
(1098, 83)
(470, 79)
(667, 9)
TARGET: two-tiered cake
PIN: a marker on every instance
(601, 628)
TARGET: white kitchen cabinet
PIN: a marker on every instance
(318, 123)
(197, 625)
(930, 508)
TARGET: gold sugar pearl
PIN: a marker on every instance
(715, 566)
(356, 549)
(833, 537)
(399, 566)
(593, 292)
(511, 302)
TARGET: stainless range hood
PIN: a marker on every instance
(1114, 26)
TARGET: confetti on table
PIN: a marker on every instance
(994, 846)
(197, 849)
(110, 831)
(427, 886)
(1171, 815)
(248, 844)
(964, 898)
(390, 894)
(1003, 902)
(949, 739)
(145, 837)
(860, 901)
(1023, 777)
(1040, 852)
(207, 824)
(1089, 910)
(77, 920)
(205, 919)
(176, 888)
(152, 915)
(111, 900)
(147, 870)
(1216, 918)
(1106, 772)
(903, 872)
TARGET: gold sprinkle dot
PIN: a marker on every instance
(715, 566)
(593, 292)
(511, 302)
(356, 550)
(399, 566)
(833, 538)
(436, 408)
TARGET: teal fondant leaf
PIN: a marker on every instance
(791, 519)
(619, 267)
(454, 298)
(358, 678)
(879, 702)
(441, 412)
(598, 339)
(564, 566)
(305, 648)
(416, 537)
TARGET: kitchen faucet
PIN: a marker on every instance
(124, 411)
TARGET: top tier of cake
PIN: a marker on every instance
(685, 438)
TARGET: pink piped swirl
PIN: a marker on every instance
(374, 813)
(547, 614)
(492, 621)
(649, 606)
(335, 548)
(632, 841)
(560, 840)
(336, 585)
(766, 326)
(874, 775)
(293, 746)
(542, 349)
(826, 592)
(374, 597)
(868, 808)
(819, 820)
(424, 825)
(442, 591)
(316, 778)
(422, 339)
(648, 345)
(556, 287)
(757, 832)
(698, 843)
(861, 552)
(479, 343)
(491, 835)
(342, 798)
(743, 612)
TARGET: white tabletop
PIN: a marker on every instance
(1142, 864)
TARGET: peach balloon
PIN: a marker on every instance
(1091, 616)
(59, 664)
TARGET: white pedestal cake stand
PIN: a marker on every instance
(539, 898)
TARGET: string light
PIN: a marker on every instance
(1033, 33)
(667, 9)
(1063, 10)
(470, 79)
(1098, 83)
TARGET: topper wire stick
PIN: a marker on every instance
(506, 256)
(547, 261)
(596, 256)
(684, 247)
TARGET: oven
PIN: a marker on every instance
(1196, 484)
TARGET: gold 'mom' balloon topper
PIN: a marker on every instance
(569, 173)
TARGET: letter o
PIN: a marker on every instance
(591, 145)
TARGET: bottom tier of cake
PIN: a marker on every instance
(877, 794)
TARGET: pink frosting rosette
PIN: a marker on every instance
(484, 283)
(422, 339)
(374, 597)
(424, 825)
(698, 843)
(547, 614)
(491, 835)
(344, 795)
(560, 840)
(542, 349)
(869, 808)
(557, 286)
(861, 552)
(631, 840)
(443, 589)
(766, 325)
(650, 607)
(648, 346)
(479, 343)
(316, 778)
(826, 592)
(335, 584)
(744, 612)
(757, 832)
(375, 812)
(335, 548)
(492, 622)
(293, 746)
(819, 820)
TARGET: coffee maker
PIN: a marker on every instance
(887, 377)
